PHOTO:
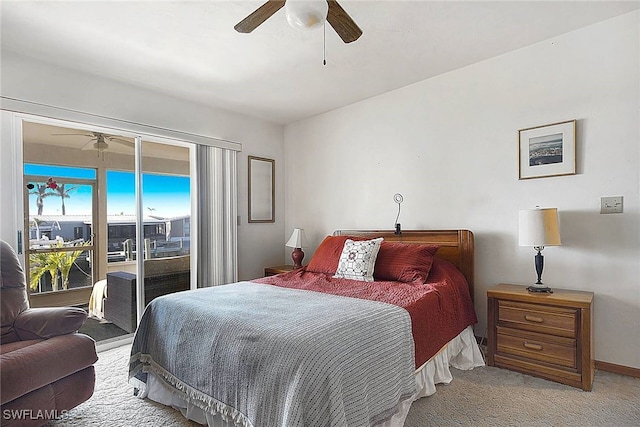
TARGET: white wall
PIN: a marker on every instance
(450, 146)
(259, 245)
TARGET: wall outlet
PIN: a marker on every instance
(611, 204)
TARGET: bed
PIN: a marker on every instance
(370, 325)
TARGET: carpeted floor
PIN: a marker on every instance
(481, 397)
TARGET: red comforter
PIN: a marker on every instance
(440, 309)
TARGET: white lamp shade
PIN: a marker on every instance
(539, 227)
(306, 14)
(297, 239)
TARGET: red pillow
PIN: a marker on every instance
(325, 259)
(404, 262)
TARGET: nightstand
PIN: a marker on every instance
(544, 335)
(272, 271)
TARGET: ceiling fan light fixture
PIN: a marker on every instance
(100, 145)
(306, 14)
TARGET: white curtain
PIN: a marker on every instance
(217, 216)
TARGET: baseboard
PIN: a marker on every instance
(618, 369)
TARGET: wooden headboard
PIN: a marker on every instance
(456, 246)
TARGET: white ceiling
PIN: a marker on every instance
(190, 50)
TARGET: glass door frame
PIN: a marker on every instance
(140, 299)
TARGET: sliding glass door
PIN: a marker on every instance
(102, 209)
(165, 239)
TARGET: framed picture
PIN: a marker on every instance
(262, 197)
(548, 150)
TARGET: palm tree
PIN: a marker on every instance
(52, 263)
(63, 194)
(41, 263)
(41, 192)
(65, 262)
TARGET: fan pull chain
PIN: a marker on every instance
(324, 44)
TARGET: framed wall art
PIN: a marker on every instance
(262, 197)
(548, 150)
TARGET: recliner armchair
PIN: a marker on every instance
(46, 367)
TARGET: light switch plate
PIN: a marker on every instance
(612, 204)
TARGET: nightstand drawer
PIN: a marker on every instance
(538, 318)
(555, 350)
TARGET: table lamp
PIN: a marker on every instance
(539, 228)
(297, 241)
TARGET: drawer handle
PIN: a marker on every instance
(535, 319)
(532, 346)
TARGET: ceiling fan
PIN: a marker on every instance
(100, 140)
(340, 20)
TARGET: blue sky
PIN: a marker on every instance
(163, 195)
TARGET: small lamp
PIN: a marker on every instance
(306, 14)
(297, 241)
(539, 228)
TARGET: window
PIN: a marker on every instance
(60, 203)
(167, 211)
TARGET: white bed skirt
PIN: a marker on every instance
(462, 352)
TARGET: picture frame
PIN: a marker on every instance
(262, 196)
(548, 150)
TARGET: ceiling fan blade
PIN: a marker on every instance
(258, 16)
(342, 23)
(71, 134)
(86, 145)
(121, 141)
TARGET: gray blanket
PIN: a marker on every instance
(266, 356)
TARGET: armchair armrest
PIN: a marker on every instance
(38, 323)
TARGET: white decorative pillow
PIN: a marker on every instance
(358, 259)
